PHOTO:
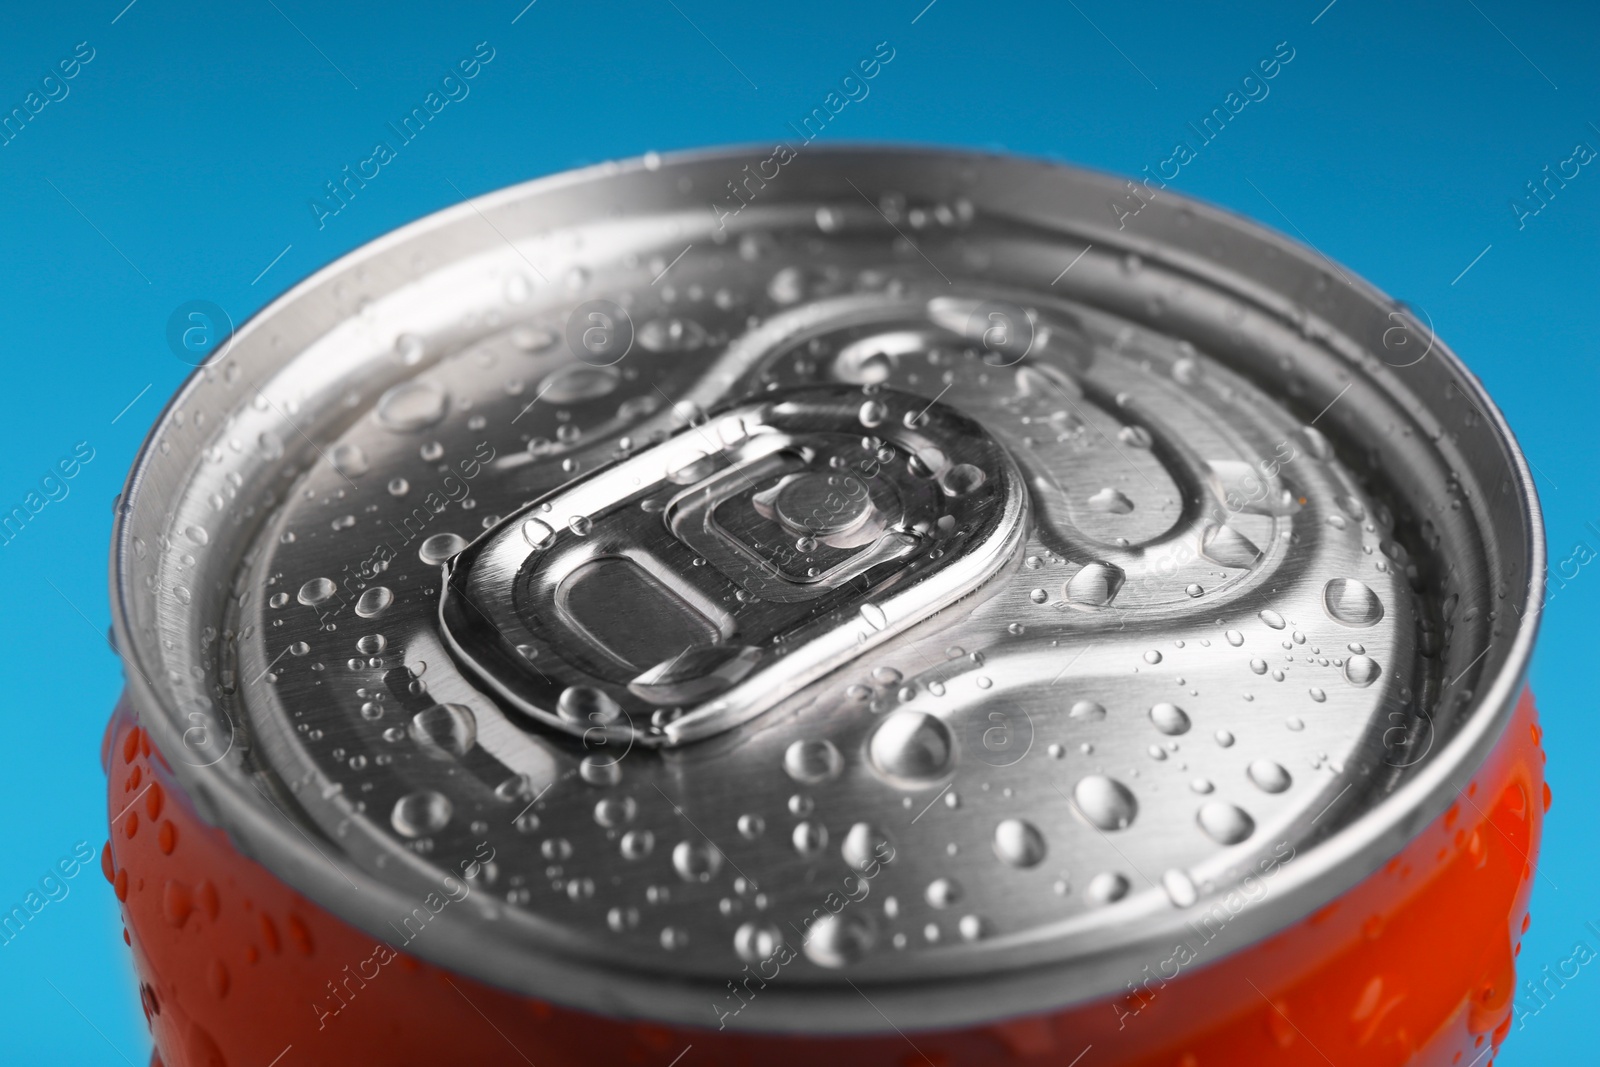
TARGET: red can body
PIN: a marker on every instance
(1415, 965)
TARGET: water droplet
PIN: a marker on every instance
(911, 744)
(1019, 843)
(838, 940)
(1105, 802)
(865, 846)
(751, 826)
(1134, 436)
(1352, 507)
(810, 762)
(612, 812)
(1096, 585)
(421, 813)
(1317, 694)
(636, 844)
(1229, 547)
(600, 770)
(1110, 502)
(1087, 711)
(409, 349)
(696, 861)
(971, 927)
(412, 406)
(440, 547)
(444, 729)
(1361, 671)
(1152, 657)
(1170, 719)
(1351, 602)
(875, 616)
(755, 942)
(671, 335)
(1180, 888)
(943, 892)
(1107, 887)
(577, 382)
(374, 602)
(961, 479)
(584, 705)
(316, 591)
(1258, 666)
(1227, 824)
(809, 838)
(1272, 618)
(348, 460)
(1269, 776)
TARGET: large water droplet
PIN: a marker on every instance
(866, 845)
(1105, 802)
(600, 770)
(1169, 718)
(1228, 824)
(1229, 547)
(1180, 888)
(1106, 887)
(636, 844)
(584, 705)
(1272, 618)
(696, 861)
(421, 813)
(1019, 843)
(1351, 602)
(1087, 711)
(412, 406)
(943, 892)
(612, 812)
(755, 942)
(809, 838)
(1269, 776)
(672, 335)
(444, 729)
(578, 381)
(810, 762)
(1361, 671)
(911, 744)
(348, 460)
(838, 940)
(374, 602)
(1111, 502)
(1096, 585)
(440, 547)
(316, 591)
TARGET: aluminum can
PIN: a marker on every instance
(857, 605)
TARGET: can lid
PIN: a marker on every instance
(902, 575)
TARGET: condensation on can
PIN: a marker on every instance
(960, 626)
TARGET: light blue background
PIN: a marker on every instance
(185, 155)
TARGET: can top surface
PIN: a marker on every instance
(870, 560)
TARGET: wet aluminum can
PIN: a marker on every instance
(860, 605)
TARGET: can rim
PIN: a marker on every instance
(1323, 873)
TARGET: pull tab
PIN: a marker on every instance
(688, 588)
